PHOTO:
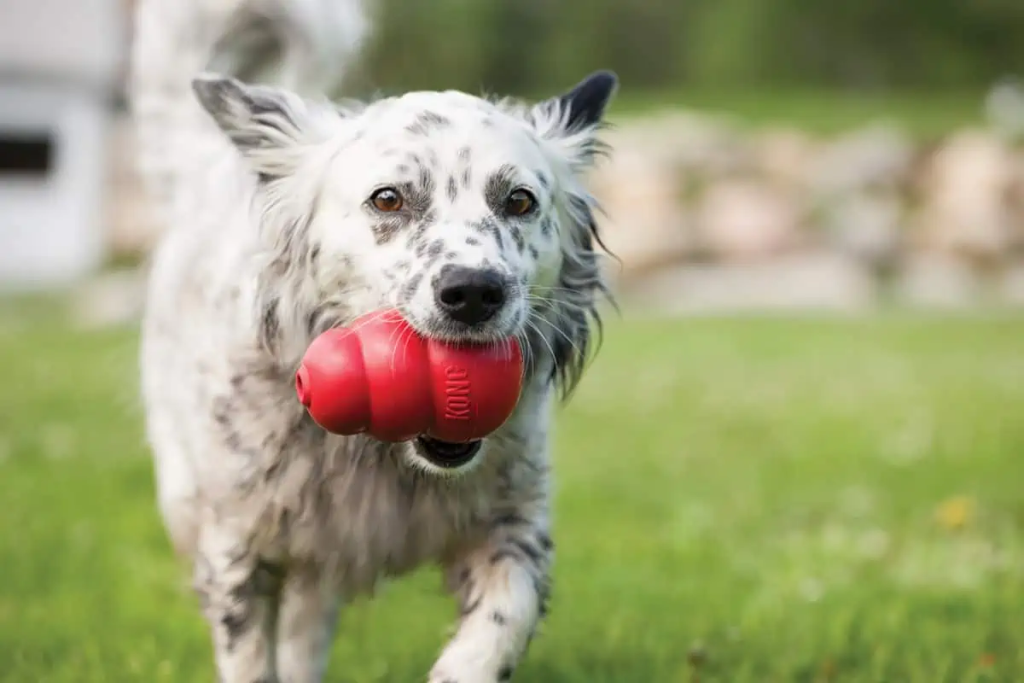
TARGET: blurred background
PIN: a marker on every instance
(769, 153)
(800, 454)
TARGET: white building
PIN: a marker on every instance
(60, 66)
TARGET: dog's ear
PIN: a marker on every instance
(269, 126)
(573, 119)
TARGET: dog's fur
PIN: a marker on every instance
(270, 241)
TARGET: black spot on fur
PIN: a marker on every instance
(505, 674)
(472, 241)
(452, 189)
(534, 253)
(498, 618)
(425, 189)
(517, 237)
(467, 177)
(270, 324)
(409, 288)
(544, 181)
(426, 122)
(471, 606)
(385, 229)
(510, 519)
(238, 615)
(502, 554)
(547, 227)
(489, 226)
(528, 549)
(498, 187)
(417, 236)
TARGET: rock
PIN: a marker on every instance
(867, 226)
(645, 224)
(1004, 107)
(1011, 285)
(746, 219)
(784, 155)
(809, 281)
(937, 280)
(875, 156)
(966, 190)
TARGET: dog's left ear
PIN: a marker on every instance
(573, 119)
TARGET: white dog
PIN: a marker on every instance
(288, 214)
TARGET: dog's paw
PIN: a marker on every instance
(468, 672)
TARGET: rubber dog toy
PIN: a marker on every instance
(379, 376)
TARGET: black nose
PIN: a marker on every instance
(469, 295)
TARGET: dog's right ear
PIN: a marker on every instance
(269, 126)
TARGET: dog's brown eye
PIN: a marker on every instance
(386, 199)
(519, 203)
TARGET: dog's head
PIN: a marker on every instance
(468, 215)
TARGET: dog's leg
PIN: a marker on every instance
(306, 622)
(239, 595)
(503, 588)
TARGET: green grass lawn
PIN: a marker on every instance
(737, 501)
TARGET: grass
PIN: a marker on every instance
(737, 501)
(923, 115)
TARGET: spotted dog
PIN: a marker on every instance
(287, 214)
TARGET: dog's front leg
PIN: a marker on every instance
(306, 622)
(502, 586)
(239, 594)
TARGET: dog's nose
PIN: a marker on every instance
(469, 295)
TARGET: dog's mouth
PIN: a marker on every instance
(445, 454)
(448, 331)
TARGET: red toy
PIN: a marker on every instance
(381, 377)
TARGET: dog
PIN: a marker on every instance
(288, 213)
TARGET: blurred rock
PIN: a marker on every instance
(644, 224)
(937, 280)
(1004, 107)
(967, 186)
(812, 281)
(746, 219)
(872, 157)
(1011, 285)
(866, 226)
(785, 155)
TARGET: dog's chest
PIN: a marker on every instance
(351, 509)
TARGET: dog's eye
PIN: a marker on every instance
(386, 199)
(519, 203)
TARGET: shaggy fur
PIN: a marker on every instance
(273, 238)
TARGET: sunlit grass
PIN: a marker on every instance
(747, 500)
